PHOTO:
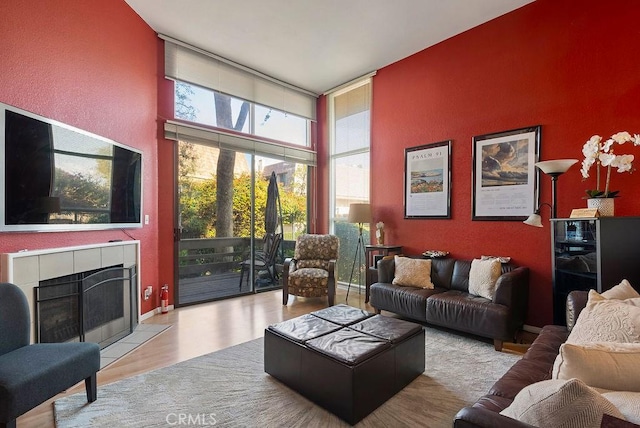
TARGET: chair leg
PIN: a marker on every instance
(497, 344)
(241, 275)
(285, 293)
(331, 289)
(91, 386)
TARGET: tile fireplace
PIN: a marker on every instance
(86, 293)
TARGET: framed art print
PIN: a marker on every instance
(505, 179)
(427, 181)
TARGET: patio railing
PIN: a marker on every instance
(207, 256)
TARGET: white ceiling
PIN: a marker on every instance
(317, 44)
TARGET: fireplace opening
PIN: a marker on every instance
(93, 306)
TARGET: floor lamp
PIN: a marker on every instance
(554, 169)
(360, 214)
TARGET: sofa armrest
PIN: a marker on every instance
(386, 270)
(512, 289)
(472, 417)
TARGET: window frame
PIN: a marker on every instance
(333, 156)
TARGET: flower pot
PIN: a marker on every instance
(605, 206)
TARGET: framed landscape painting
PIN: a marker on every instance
(427, 181)
(505, 179)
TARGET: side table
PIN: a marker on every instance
(370, 253)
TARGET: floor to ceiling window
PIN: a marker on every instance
(349, 113)
(243, 166)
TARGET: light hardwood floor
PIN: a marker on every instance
(198, 330)
(201, 329)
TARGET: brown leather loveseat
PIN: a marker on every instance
(451, 305)
(536, 365)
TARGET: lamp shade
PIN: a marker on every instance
(556, 166)
(534, 220)
(359, 213)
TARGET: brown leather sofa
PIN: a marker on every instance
(450, 304)
(536, 365)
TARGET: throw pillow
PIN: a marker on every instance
(608, 321)
(483, 276)
(614, 366)
(560, 403)
(412, 272)
(503, 259)
(622, 291)
(627, 402)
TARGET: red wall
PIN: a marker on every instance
(92, 65)
(320, 211)
(568, 65)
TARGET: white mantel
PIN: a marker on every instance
(27, 268)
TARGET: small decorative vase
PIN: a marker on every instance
(605, 206)
(380, 236)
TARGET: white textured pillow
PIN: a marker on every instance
(608, 365)
(483, 276)
(607, 321)
(560, 403)
(413, 272)
(622, 291)
(627, 402)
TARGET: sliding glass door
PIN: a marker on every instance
(242, 192)
(239, 215)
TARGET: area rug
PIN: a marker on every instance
(229, 388)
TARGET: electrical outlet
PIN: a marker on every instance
(148, 292)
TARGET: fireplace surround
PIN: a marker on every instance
(92, 306)
(30, 269)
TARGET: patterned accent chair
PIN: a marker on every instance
(311, 271)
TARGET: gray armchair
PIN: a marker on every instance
(31, 374)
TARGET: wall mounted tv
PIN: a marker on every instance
(59, 178)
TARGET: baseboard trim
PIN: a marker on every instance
(147, 315)
(153, 312)
(344, 286)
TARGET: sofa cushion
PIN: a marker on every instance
(469, 313)
(614, 366)
(560, 403)
(442, 272)
(607, 321)
(406, 301)
(622, 291)
(483, 276)
(412, 272)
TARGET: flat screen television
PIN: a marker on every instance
(59, 178)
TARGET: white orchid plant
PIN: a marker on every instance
(601, 154)
(379, 229)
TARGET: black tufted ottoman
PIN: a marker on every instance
(344, 359)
